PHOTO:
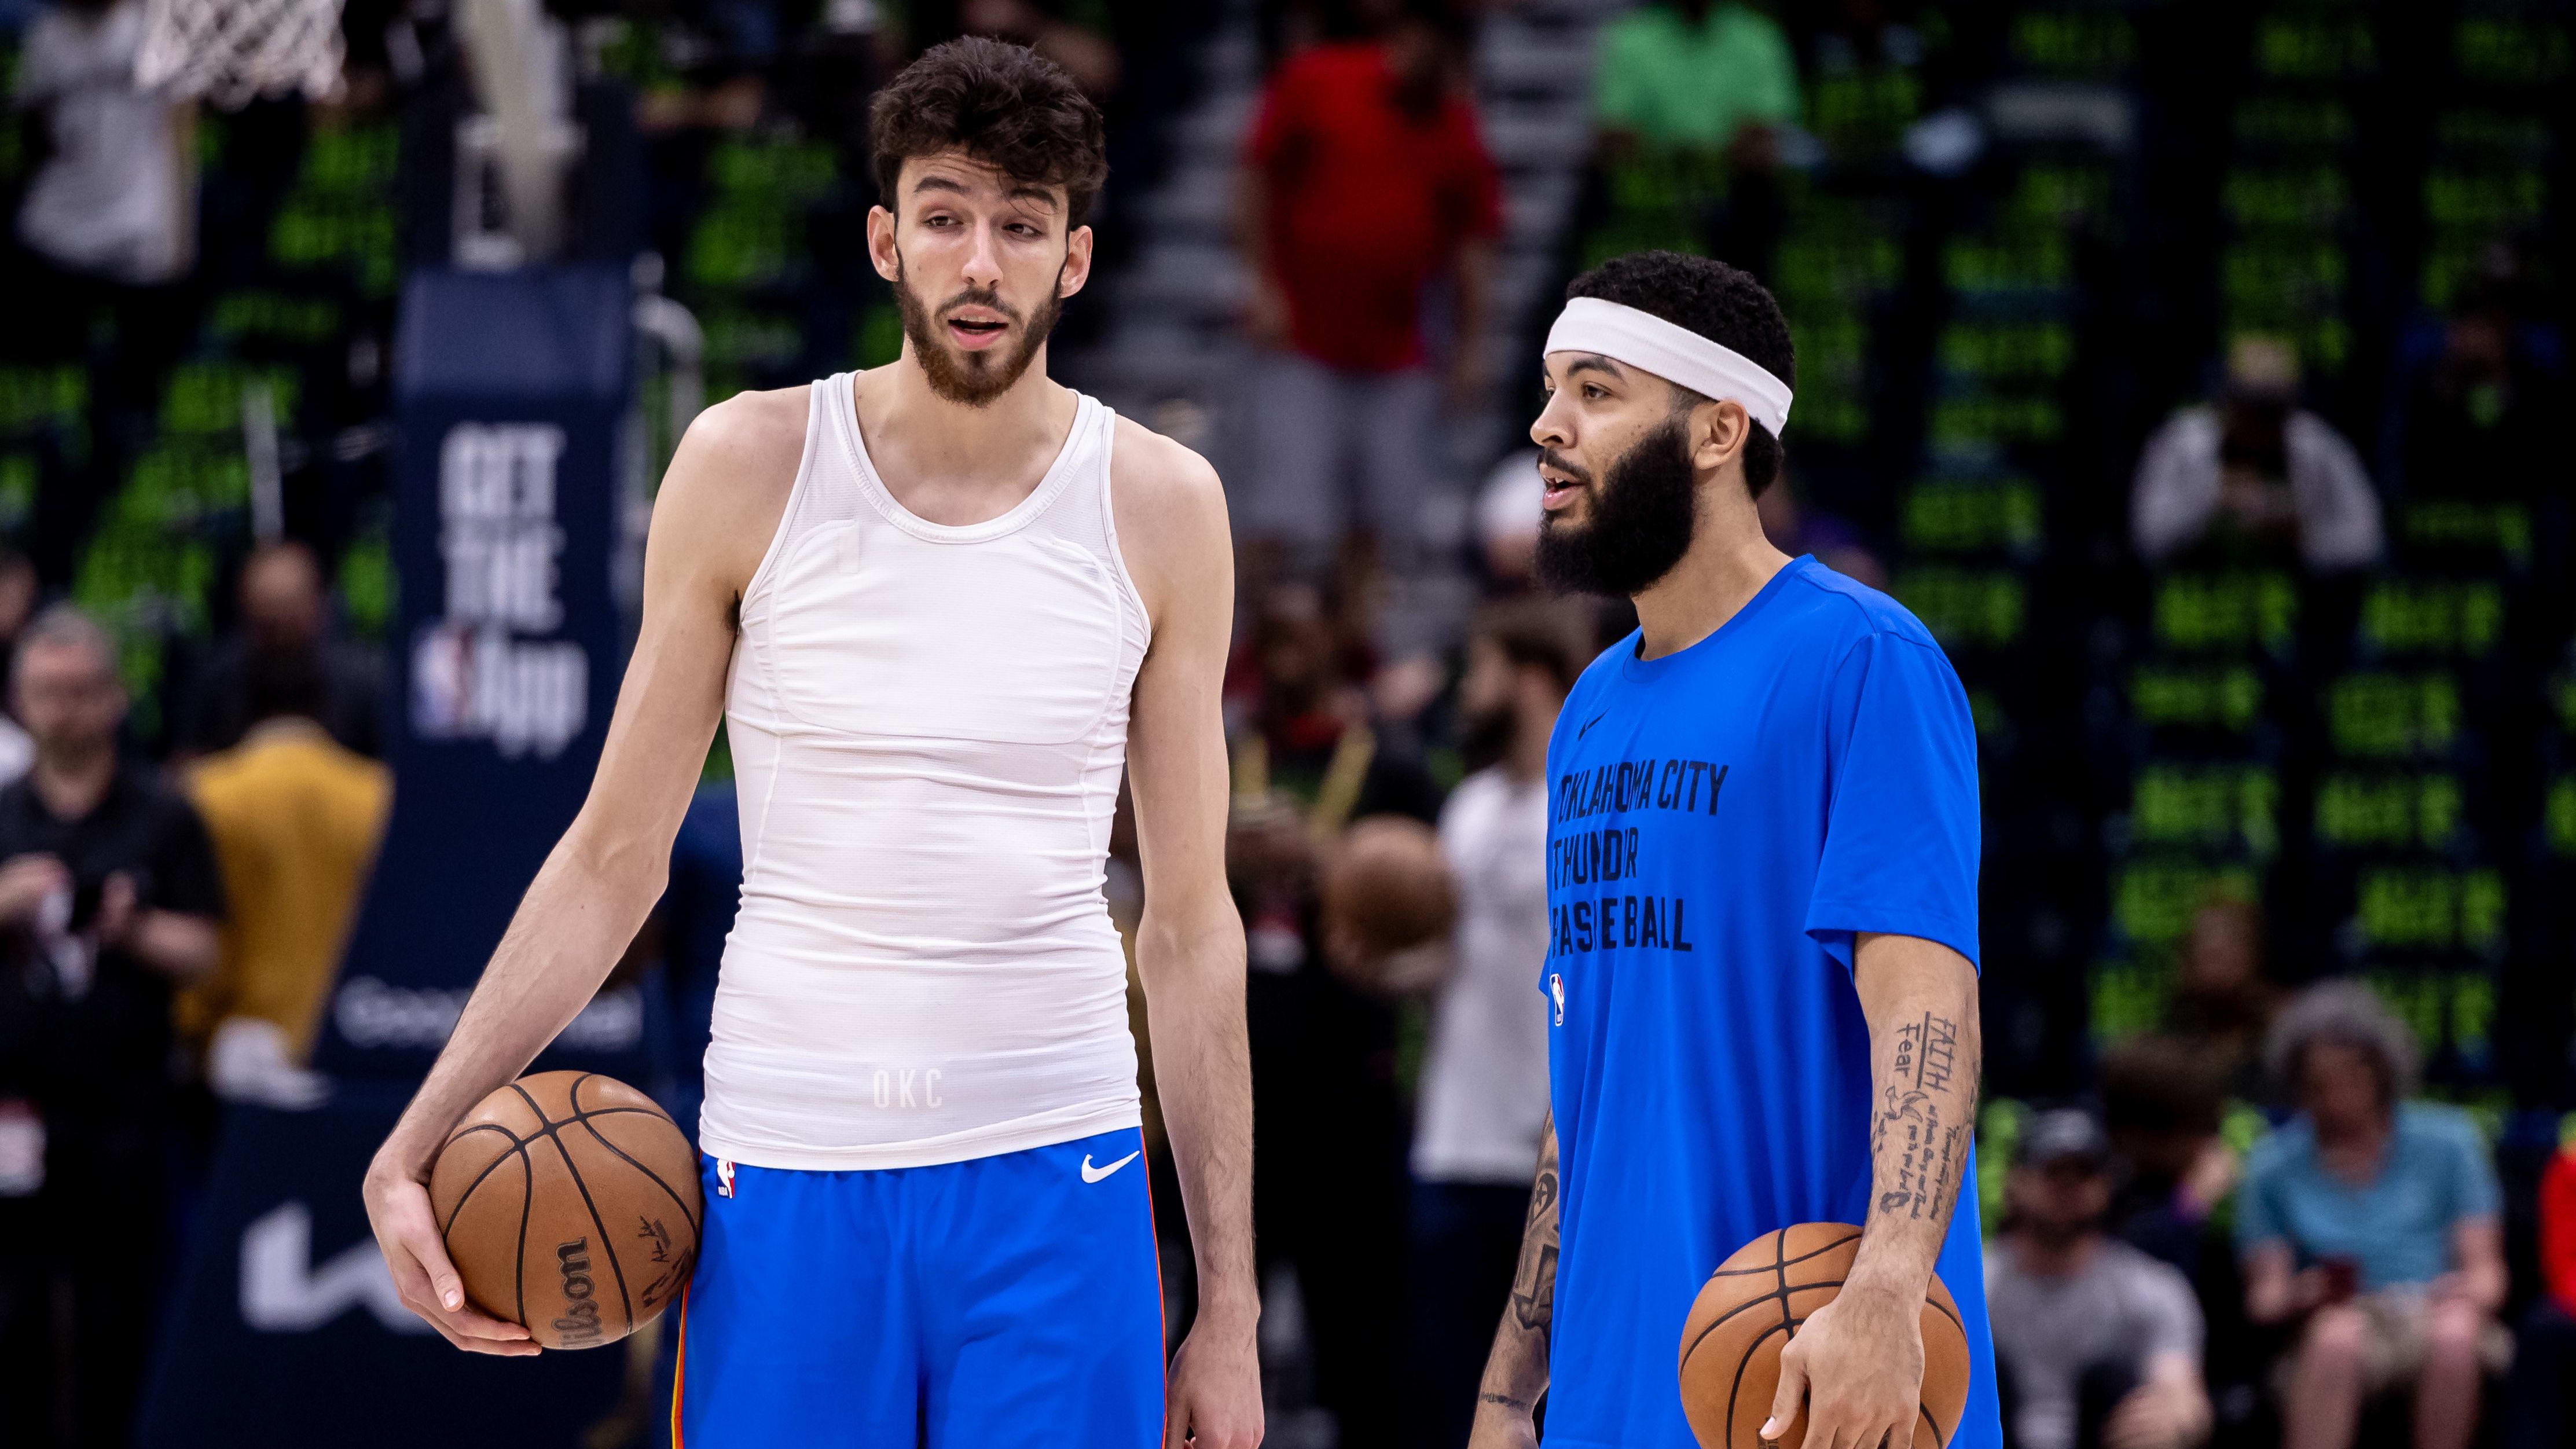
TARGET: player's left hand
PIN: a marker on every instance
(1215, 1390)
(1858, 1361)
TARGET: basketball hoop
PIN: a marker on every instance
(233, 51)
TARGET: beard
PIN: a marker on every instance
(972, 378)
(1644, 511)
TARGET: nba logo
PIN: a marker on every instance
(1556, 991)
(724, 1170)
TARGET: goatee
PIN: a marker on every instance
(973, 378)
(1644, 510)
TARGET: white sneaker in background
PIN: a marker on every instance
(246, 1062)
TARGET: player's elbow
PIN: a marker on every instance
(618, 861)
(1187, 947)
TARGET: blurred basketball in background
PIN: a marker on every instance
(1751, 1307)
(1387, 894)
(569, 1202)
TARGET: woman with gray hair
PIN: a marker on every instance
(2372, 1221)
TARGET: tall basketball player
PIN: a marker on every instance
(1762, 869)
(942, 606)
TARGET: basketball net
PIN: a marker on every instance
(232, 52)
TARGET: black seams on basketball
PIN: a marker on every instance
(569, 1203)
(1754, 1303)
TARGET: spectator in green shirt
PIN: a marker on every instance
(1695, 75)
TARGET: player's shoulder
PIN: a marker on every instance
(754, 428)
(739, 458)
(1602, 673)
(1848, 610)
(751, 441)
(729, 480)
(1160, 486)
(1169, 512)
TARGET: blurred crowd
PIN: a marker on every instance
(2241, 1217)
(171, 931)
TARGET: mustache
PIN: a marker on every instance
(1551, 458)
(982, 297)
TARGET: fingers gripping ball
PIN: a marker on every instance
(569, 1203)
(1753, 1305)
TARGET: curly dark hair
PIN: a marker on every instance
(1721, 303)
(1004, 105)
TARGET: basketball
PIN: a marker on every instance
(569, 1203)
(1387, 890)
(1753, 1304)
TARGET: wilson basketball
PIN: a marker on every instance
(570, 1204)
(1388, 885)
(1752, 1306)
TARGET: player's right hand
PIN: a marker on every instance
(407, 1231)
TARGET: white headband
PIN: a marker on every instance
(1674, 353)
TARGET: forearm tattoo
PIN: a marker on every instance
(1919, 1136)
(1534, 1280)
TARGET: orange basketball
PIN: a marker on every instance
(569, 1202)
(1752, 1305)
(1387, 890)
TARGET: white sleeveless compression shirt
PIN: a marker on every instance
(929, 726)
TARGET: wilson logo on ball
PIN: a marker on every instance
(579, 1324)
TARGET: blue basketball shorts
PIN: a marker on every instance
(997, 1302)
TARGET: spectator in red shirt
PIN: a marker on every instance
(1364, 181)
(2540, 1399)
(2558, 1230)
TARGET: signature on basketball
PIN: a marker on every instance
(675, 1269)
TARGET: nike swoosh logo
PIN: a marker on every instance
(1094, 1174)
(1588, 724)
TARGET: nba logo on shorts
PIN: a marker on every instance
(1556, 990)
(724, 1178)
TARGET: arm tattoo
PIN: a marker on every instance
(1516, 1368)
(1919, 1135)
(1928, 1052)
(1534, 1280)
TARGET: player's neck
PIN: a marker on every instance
(1729, 561)
(951, 463)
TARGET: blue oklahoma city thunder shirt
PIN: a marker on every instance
(1722, 821)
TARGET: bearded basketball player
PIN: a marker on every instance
(1762, 846)
(942, 607)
